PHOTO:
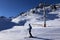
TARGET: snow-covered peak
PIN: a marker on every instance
(35, 15)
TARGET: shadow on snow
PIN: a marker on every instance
(41, 38)
(8, 24)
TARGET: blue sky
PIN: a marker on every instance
(14, 7)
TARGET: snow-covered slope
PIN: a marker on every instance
(34, 17)
(52, 32)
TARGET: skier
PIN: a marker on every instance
(30, 31)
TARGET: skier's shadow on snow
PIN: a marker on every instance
(41, 38)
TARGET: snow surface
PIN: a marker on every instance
(51, 32)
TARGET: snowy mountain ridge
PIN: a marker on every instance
(37, 15)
